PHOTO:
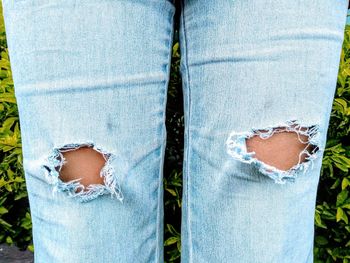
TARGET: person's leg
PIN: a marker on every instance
(259, 80)
(90, 79)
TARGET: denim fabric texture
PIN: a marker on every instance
(94, 73)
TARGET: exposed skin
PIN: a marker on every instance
(85, 163)
(280, 150)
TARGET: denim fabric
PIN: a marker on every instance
(95, 73)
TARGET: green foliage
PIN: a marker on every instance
(15, 221)
(173, 161)
(332, 230)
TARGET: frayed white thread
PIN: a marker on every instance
(56, 160)
(236, 147)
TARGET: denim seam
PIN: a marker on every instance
(160, 177)
(188, 97)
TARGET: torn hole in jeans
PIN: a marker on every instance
(236, 146)
(55, 161)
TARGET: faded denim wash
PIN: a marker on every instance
(94, 73)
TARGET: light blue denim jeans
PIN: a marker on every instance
(94, 73)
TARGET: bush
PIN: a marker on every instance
(332, 229)
(15, 221)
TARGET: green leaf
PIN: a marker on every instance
(170, 241)
(30, 247)
(171, 191)
(345, 183)
(320, 240)
(9, 240)
(341, 215)
(341, 197)
(3, 210)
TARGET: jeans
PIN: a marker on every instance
(94, 73)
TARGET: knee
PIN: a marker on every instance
(281, 150)
(84, 163)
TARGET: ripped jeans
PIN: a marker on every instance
(91, 77)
